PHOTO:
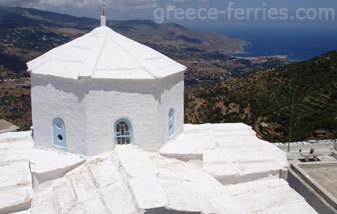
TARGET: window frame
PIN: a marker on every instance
(171, 122)
(59, 132)
(130, 136)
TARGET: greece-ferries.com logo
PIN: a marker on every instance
(231, 12)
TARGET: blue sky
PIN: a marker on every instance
(144, 9)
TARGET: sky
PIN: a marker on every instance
(151, 9)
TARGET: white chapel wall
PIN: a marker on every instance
(110, 100)
(172, 97)
(55, 97)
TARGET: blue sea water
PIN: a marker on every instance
(297, 43)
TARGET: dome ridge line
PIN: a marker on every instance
(134, 57)
(94, 70)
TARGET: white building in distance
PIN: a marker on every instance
(104, 89)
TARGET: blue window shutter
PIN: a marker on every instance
(171, 122)
(59, 133)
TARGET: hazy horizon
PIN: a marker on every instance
(146, 9)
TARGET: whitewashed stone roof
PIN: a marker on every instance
(233, 154)
(104, 54)
(16, 190)
(129, 180)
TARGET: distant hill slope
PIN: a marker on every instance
(142, 30)
(52, 29)
(263, 99)
(27, 33)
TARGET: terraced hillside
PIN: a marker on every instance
(264, 99)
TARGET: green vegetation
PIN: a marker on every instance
(263, 99)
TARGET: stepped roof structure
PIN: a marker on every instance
(129, 180)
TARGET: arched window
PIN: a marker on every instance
(123, 132)
(59, 133)
(171, 122)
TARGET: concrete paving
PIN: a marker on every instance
(325, 175)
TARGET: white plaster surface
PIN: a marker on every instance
(56, 160)
(183, 144)
(54, 97)
(183, 147)
(233, 154)
(273, 196)
(148, 193)
(15, 178)
(98, 79)
(23, 212)
(126, 189)
(90, 108)
(59, 162)
(142, 102)
(104, 54)
(130, 180)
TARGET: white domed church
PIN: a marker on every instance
(104, 89)
(94, 95)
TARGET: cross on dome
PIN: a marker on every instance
(103, 9)
(103, 17)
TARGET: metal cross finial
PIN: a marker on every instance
(103, 8)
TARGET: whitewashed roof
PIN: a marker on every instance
(233, 154)
(15, 178)
(128, 180)
(119, 181)
(104, 54)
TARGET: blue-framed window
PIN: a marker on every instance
(171, 122)
(59, 133)
(123, 132)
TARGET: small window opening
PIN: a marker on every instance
(59, 124)
(59, 133)
(171, 122)
(123, 132)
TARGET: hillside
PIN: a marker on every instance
(27, 33)
(263, 99)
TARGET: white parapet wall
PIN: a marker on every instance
(16, 190)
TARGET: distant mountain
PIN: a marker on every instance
(263, 99)
(27, 33)
(144, 31)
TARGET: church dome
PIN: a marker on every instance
(104, 54)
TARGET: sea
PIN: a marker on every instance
(297, 43)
